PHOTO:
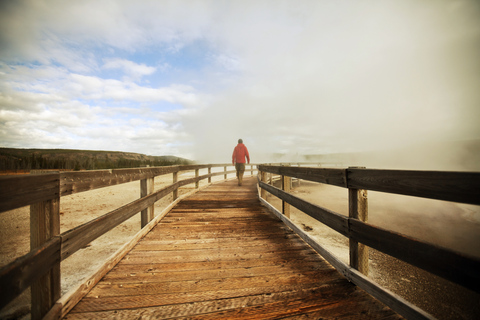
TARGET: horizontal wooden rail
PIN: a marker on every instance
(335, 177)
(461, 187)
(73, 182)
(22, 190)
(21, 273)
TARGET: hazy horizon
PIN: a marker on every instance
(189, 79)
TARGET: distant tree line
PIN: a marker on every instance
(33, 161)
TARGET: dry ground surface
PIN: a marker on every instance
(448, 224)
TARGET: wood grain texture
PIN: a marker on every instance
(450, 186)
(335, 177)
(220, 254)
(22, 190)
(21, 273)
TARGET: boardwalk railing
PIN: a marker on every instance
(461, 187)
(40, 268)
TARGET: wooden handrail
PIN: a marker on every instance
(450, 186)
(461, 187)
(21, 190)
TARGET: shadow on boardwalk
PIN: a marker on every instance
(220, 254)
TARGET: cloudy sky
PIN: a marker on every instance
(189, 78)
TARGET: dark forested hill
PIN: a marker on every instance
(31, 159)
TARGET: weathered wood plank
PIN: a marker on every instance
(212, 256)
(209, 304)
(437, 260)
(23, 190)
(133, 273)
(285, 260)
(450, 186)
(21, 273)
(73, 182)
(225, 243)
(104, 289)
(336, 177)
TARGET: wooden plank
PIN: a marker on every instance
(210, 256)
(104, 289)
(21, 273)
(23, 190)
(197, 303)
(334, 220)
(73, 182)
(336, 177)
(131, 273)
(450, 186)
(445, 263)
(285, 260)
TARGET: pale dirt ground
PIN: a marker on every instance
(448, 224)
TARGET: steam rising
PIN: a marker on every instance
(324, 78)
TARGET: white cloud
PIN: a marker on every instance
(132, 70)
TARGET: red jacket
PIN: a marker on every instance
(239, 154)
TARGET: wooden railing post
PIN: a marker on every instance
(44, 225)
(209, 173)
(197, 183)
(225, 170)
(175, 180)
(286, 186)
(146, 188)
(263, 178)
(358, 209)
(251, 170)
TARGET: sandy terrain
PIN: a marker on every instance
(451, 225)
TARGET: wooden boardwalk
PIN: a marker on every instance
(220, 254)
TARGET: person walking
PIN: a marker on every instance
(238, 159)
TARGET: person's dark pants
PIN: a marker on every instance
(240, 167)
